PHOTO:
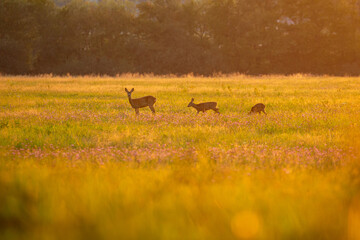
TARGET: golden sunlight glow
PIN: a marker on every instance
(354, 219)
(246, 225)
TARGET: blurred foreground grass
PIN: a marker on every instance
(76, 163)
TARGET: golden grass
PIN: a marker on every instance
(75, 161)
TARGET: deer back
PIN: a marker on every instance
(143, 101)
(258, 107)
(206, 105)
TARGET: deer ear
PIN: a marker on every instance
(132, 90)
(126, 90)
(192, 99)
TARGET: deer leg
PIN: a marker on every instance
(152, 109)
(137, 111)
(264, 112)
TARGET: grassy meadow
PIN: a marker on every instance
(77, 163)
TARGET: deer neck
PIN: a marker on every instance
(131, 101)
(194, 106)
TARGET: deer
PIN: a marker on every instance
(136, 103)
(258, 108)
(202, 107)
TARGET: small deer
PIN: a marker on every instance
(137, 103)
(202, 107)
(258, 108)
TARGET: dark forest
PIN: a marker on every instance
(179, 37)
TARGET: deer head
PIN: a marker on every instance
(191, 102)
(129, 92)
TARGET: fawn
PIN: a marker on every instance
(203, 106)
(137, 103)
(258, 108)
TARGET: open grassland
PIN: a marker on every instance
(76, 163)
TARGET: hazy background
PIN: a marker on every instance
(178, 37)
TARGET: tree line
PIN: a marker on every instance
(180, 36)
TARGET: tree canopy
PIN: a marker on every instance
(180, 37)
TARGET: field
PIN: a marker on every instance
(77, 163)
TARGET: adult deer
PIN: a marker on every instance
(202, 107)
(136, 103)
(258, 108)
